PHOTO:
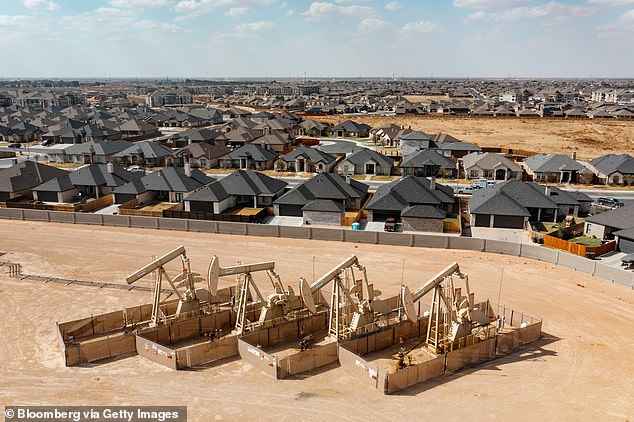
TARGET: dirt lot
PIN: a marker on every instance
(582, 368)
(589, 137)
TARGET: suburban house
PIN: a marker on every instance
(172, 184)
(420, 204)
(490, 166)
(366, 161)
(135, 129)
(93, 152)
(428, 163)
(414, 141)
(351, 129)
(608, 224)
(144, 153)
(574, 203)
(249, 157)
(303, 158)
(553, 168)
(239, 189)
(511, 205)
(313, 128)
(614, 169)
(195, 135)
(625, 240)
(322, 199)
(387, 135)
(453, 147)
(276, 142)
(92, 181)
(201, 154)
(19, 179)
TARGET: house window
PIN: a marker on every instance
(488, 173)
(473, 174)
(588, 227)
(178, 197)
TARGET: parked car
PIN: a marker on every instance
(390, 224)
(465, 190)
(481, 183)
(610, 201)
(15, 145)
(47, 142)
(136, 169)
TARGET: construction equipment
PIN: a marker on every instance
(452, 315)
(347, 315)
(273, 306)
(188, 302)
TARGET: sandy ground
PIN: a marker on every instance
(582, 368)
(589, 137)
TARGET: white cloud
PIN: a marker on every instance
(151, 25)
(255, 26)
(140, 4)
(486, 4)
(244, 30)
(318, 11)
(393, 5)
(198, 7)
(553, 9)
(40, 4)
(237, 11)
(611, 2)
(421, 27)
(372, 24)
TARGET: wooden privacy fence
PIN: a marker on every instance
(89, 206)
(577, 249)
(206, 215)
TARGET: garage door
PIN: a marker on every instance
(122, 198)
(47, 196)
(291, 210)
(626, 246)
(509, 222)
(482, 220)
(382, 216)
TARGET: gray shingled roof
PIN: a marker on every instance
(239, 183)
(610, 163)
(170, 179)
(552, 163)
(91, 175)
(309, 153)
(146, 149)
(410, 190)
(324, 205)
(364, 155)
(423, 211)
(489, 161)
(625, 233)
(620, 218)
(427, 157)
(98, 147)
(323, 186)
(512, 197)
(27, 175)
(255, 152)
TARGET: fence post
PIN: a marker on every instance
(101, 219)
(557, 258)
(246, 229)
(411, 244)
(129, 220)
(277, 231)
(519, 251)
(21, 214)
(446, 242)
(48, 216)
(376, 238)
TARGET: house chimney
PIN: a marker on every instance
(110, 168)
(432, 184)
(188, 170)
(574, 155)
(347, 178)
(547, 191)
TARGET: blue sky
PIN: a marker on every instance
(339, 38)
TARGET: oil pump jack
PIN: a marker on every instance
(354, 303)
(452, 314)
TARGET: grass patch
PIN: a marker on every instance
(586, 241)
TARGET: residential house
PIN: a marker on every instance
(553, 168)
(453, 147)
(614, 169)
(305, 158)
(625, 240)
(277, 142)
(172, 184)
(490, 166)
(249, 157)
(414, 141)
(351, 129)
(366, 161)
(135, 129)
(144, 153)
(608, 224)
(240, 189)
(428, 163)
(201, 154)
(314, 128)
(18, 180)
(511, 205)
(420, 204)
(92, 181)
(334, 195)
(94, 152)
